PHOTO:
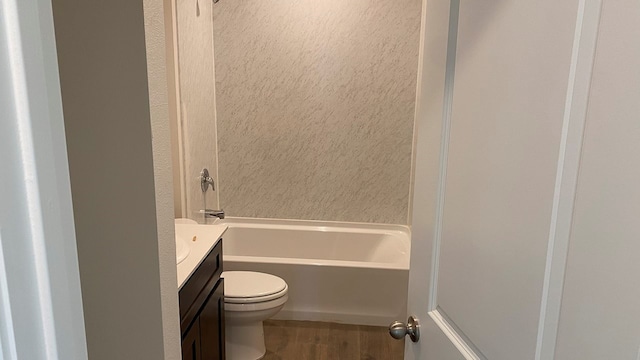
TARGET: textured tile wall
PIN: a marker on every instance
(197, 105)
(315, 107)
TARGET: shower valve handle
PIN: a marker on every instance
(206, 180)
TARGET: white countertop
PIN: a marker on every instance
(200, 239)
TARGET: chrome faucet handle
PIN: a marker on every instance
(206, 180)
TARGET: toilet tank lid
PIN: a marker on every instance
(248, 284)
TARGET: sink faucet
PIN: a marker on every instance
(208, 213)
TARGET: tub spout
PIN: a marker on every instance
(208, 213)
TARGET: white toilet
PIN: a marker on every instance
(249, 299)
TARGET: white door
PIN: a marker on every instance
(527, 187)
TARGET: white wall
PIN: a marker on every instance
(163, 175)
(103, 73)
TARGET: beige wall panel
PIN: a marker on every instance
(197, 100)
(315, 104)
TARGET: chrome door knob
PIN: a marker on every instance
(398, 330)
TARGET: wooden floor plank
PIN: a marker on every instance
(371, 348)
(376, 344)
(309, 332)
(305, 340)
(279, 337)
(344, 342)
(310, 351)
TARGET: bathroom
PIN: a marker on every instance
(303, 115)
(464, 170)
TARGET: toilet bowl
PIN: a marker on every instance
(249, 299)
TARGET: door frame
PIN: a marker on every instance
(40, 298)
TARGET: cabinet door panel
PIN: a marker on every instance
(191, 349)
(196, 290)
(212, 325)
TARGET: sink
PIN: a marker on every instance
(182, 244)
(193, 242)
(182, 249)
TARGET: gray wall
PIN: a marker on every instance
(315, 107)
(103, 74)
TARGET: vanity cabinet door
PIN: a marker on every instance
(191, 344)
(202, 310)
(212, 325)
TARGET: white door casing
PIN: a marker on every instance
(500, 124)
(40, 301)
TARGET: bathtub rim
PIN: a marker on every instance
(319, 224)
(400, 231)
(316, 262)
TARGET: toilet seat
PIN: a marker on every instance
(249, 287)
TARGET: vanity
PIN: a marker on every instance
(201, 290)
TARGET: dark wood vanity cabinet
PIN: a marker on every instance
(202, 310)
(191, 346)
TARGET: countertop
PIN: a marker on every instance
(200, 239)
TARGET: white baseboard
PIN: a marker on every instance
(340, 318)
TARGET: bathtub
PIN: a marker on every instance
(337, 272)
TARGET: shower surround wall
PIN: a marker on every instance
(197, 105)
(315, 107)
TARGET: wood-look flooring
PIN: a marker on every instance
(307, 340)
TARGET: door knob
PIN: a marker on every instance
(398, 330)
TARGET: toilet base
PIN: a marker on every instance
(245, 341)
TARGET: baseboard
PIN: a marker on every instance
(340, 318)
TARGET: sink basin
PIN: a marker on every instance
(182, 249)
(182, 244)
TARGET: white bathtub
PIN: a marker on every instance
(338, 272)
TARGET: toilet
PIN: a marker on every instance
(249, 299)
